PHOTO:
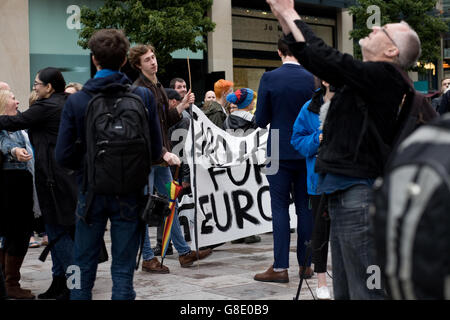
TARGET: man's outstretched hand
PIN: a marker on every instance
(285, 12)
(280, 7)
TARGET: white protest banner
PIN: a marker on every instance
(233, 199)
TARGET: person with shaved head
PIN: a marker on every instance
(4, 86)
(359, 130)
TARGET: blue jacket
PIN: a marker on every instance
(71, 143)
(9, 141)
(281, 94)
(305, 139)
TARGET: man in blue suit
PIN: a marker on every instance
(281, 94)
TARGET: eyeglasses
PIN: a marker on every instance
(35, 84)
(389, 37)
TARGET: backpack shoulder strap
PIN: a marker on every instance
(146, 99)
(88, 92)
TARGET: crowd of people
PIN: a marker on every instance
(333, 127)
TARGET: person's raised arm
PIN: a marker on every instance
(24, 120)
(285, 13)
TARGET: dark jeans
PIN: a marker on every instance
(61, 240)
(352, 245)
(320, 234)
(126, 234)
(290, 179)
(39, 226)
(16, 211)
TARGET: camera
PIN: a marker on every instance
(156, 209)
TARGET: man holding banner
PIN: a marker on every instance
(143, 58)
(282, 93)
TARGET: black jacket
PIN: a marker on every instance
(368, 100)
(55, 186)
(167, 117)
(213, 110)
(235, 122)
(443, 106)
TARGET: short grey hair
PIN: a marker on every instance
(409, 47)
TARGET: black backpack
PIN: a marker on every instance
(411, 216)
(118, 151)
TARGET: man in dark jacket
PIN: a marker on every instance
(359, 130)
(443, 102)
(281, 94)
(109, 49)
(436, 102)
(143, 58)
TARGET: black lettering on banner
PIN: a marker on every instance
(209, 142)
(222, 140)
(200, 143)
(241, 212)
(205, 229)
(258, 176)
(184, 222)
(228, 211)
(244, 179)
(242, 150)
(213, 172)
(260, 203)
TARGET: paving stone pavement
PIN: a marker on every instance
(227, 274)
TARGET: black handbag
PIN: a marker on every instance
(156, 210)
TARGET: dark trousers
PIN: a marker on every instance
(61, 241)
(352, 243)
(17, 211)
(38, 226)
(289, 180)
(126, 234)
(320, 234)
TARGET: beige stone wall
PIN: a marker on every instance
(344, 26)
(220, 42)
(15, 48)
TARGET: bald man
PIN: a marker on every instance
(210, 95)
(351, 156)
(4, 86)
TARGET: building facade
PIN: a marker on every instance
(41, 33)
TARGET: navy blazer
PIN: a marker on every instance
(282, 93)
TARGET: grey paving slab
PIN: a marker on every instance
(252, 291)
(227, 274)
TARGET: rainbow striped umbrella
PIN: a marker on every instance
(173, 190)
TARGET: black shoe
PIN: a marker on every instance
(252, 239)
(3, 294)
(64, 295)
(213, 246)
(157, 250)
(56, 288)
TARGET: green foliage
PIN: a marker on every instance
(168, 25)
(417, 13)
